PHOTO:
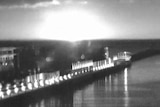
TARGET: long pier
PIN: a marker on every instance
(75, 77)
(72, 78)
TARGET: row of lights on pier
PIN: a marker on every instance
(41, 83)
(16, 89)
(37, 84)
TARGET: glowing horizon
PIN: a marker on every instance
(73, 25)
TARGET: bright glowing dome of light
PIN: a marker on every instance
(73, 25)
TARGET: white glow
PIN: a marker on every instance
(51, 81)
(69, 76)
(8, 92)
(41, 83)
(41, 76)
(72, 74)
(57, 80)
(94, 69)
(36, 84)
(73, 25)
(65, 77)
(126, 80)
(47, 82)
(7, 87)
(85, 70)
(60, 78)
(56, 2)
(1, 94)
(29, 86)
(23, 88)
(15, 89)
(84, 2)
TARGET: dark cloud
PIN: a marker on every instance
(21, 2)
(26, 3)
(37, 3)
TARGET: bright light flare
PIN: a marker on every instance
(73, 25)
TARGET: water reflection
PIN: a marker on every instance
(84, 98)
(126, 80)
(57, 101)
(126, 98)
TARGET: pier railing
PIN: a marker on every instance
(42, 80)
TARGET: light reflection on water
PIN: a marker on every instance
(137, 86)
(126, 98)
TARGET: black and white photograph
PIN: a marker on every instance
(79, 53)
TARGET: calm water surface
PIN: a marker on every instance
(137, 86)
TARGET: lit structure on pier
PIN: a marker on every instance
(83, 64)
(106, 52)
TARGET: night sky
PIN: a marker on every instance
(117, 19)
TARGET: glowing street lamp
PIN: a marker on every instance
(15, 89)
(47, 82)
(65, 77)
(69, 76)
(60, 78)
(23, 88)
(30, 86)
(36, 84)
(41, 83)
(8, 90)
